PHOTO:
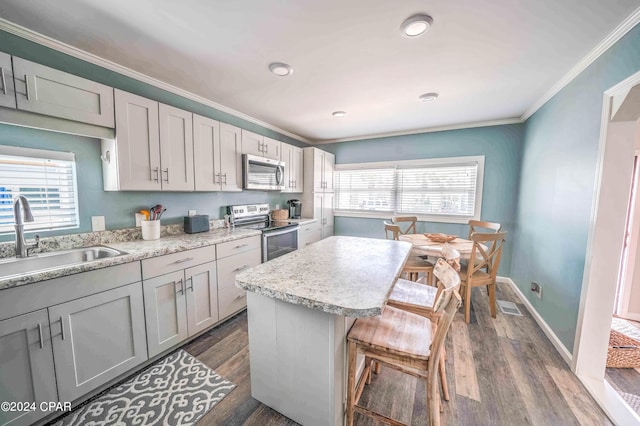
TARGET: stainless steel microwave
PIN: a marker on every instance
(262, 173)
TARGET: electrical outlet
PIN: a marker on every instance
(537, 289)
(139, 218)
(277, 206)
(97, 223)
(192, 212)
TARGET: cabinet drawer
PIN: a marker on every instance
(231, 298)
(176, 261)
(238, 246)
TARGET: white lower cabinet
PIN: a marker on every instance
(179, 305)
(27, 373)
(97, 338)
(309, 234)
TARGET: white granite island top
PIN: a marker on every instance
(347, 276)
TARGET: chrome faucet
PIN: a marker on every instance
(18, 215)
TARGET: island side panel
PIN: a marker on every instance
(303, 377)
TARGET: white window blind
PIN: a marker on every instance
(47, 179)
(442, 188)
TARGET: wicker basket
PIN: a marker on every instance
(624, 352)
(280, 214)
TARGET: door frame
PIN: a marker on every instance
(603, 259)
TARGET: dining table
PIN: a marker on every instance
(423, 246)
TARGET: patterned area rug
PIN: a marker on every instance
(632, 400)
(177, 390)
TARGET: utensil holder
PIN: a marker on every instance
(150, 229)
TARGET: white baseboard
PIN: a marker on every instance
(555, 341)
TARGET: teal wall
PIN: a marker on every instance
(501, 147)
(118, 207)
(557, 187)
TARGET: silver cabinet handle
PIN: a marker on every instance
(240, 246)
(225, 179)
(167, 172)
(40, 341)
(61, 328)
(186, 259)
(190, 279)
(4, 81)
(266, 148)
(157, 172)
(181, 289)
(26, 89)
(217, 175)
(241, 296)
(241, 268)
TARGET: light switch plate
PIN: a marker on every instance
(192, 212)
(97, 223)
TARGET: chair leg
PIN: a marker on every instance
(351, 382)
(443, 377)
(467, 304)
(491, 288)
(433, 399)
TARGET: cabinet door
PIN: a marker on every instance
(97, 338)
(206, 147)
(201, 291)
(176, 149)
(328, 164)
(230, 157)
(272, 148)
(231, 299)
(327, 214)
(52, 92)
(7, 91)
(297, 161)
(285, 153)
(318, 175)
(318, 199)
(252, 143)
(165, 312)
(26, 366)
(309, 234)
(137, 142)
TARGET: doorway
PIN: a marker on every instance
(618, 143)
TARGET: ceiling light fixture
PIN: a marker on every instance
(280, 69)
(339, 113)
(415, 25)
(428, 97)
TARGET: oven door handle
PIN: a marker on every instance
(276, 233)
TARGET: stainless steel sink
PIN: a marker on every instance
(55, 260)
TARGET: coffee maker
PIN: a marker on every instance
(295, 209)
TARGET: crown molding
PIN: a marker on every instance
(622, 29)
(59, 46)
(461, 126)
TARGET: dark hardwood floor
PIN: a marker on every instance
(501, 371)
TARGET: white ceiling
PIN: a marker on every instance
(487, 59)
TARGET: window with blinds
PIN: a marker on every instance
(434, 189)
(47, 179)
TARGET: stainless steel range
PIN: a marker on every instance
(278, 237)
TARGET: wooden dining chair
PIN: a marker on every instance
(482, 268)
(482, 226)
(420, 299)
(404, 341)
(415, 265)
(410, 220)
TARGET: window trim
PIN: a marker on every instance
(19, 151)
(443, 161)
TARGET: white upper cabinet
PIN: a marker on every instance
(255, 144)
(7, 91)
(328, 164)
(230, 157)
(176, 149)
(293, 169)
(48, 91)
(217, 155)
(318, 167)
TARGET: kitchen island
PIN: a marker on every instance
(300, 307)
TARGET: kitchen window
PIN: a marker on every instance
(47, 179)
(435, 190)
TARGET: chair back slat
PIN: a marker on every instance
(411, 220)
(483, 226)
(391, 230)
(486, 252)
(448, 283)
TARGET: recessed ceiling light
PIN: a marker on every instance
(280, 69)
(428, 97)
(415, 25)
(339, 113)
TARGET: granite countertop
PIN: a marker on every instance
(347, 276)
(135, 249)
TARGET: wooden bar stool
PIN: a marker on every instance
(405, 341)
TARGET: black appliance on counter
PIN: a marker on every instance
(295, 209)
(278, 237)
